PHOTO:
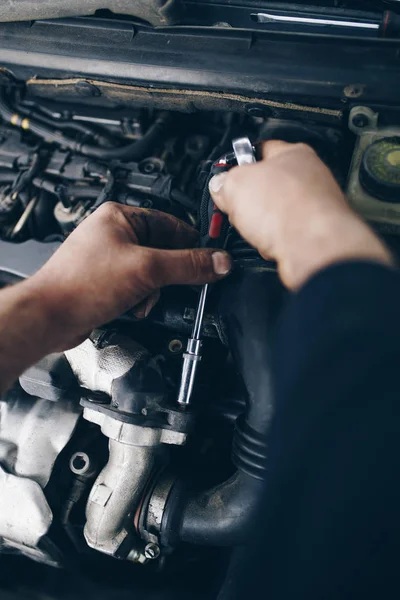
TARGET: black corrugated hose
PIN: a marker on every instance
(251, 299)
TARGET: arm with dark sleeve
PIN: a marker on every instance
(330, 525)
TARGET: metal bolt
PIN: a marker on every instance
(257, 110)
(354, 91)
(360, 120)
(151, 165)
(175, 346)
(152, 551)
(80, 463)
(136, 557)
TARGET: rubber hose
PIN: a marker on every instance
(135, 151)
(222, 516)
(75, 191)
(8, 176)
(60, 124)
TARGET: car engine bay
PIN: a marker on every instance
(97, 459)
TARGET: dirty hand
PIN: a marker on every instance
(291, 209)
(117, 259)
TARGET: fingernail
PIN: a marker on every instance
(222, 263)
(150, 304)
(217, 182)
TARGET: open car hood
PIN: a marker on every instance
(157, 12)
(354, 18)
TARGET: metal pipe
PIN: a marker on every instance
(192, 356)
(22, 221)
(200, 312)
(115, 493)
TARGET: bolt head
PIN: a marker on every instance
(354, 91)
(175, 346)
(152, 551)
(79, 463)
(257, 110)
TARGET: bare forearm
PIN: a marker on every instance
(26, 332)
(98, 273)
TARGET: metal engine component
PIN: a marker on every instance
(116, 492)
(80, 464)
(33, 432)
(102, 358)
(133, 449)
(384, 214)
(118, 488)
(154, 506)
(25, 516)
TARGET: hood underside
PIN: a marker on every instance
(157, 12)
(164, 13)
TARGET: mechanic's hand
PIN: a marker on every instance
(291, 209)
(117, 259)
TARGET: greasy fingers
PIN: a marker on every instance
(185, 267)
(160, 230)
(118, 259)
(150, 227)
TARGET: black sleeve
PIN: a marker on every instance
(330, 525)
